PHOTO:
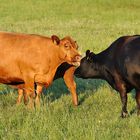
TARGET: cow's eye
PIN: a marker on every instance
(67, 46)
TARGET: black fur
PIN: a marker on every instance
(119, 65)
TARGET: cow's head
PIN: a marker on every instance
(87, 68)
(68, 50)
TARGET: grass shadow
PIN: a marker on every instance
(4, 89)
(7, 96)
(86, 87)
(58, 88)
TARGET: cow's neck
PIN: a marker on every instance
(103, 66)
(55, 60)
(54, 63)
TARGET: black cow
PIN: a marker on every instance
(119, 65)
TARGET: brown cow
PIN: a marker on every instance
(32, 60)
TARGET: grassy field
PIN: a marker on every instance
(94, 24)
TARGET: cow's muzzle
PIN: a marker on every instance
(76, 60)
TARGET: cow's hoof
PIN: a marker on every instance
(124, 114)
(76, 104)
(18, 103)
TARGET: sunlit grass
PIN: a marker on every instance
(95, 24)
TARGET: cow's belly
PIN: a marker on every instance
(11, 80)
(10, 75)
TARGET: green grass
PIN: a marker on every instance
(94, 24)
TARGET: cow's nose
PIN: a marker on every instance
(78, 58)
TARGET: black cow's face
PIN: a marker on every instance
(86, 68)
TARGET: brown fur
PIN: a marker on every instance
(32, 60)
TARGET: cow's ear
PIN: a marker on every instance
(91, 55)
(55, 39)
(87, 53)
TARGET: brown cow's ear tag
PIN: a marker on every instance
(55, 39)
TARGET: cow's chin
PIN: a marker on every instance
(73, 62)
(76, 64)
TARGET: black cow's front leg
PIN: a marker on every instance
(138, 101)
(124, 112)
(120, 86)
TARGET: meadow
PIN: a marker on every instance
(94, 24)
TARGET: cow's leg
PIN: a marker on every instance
(20, 95)
(29, 93)
(39, 88)
(69, 80)
(25, 97)
(120, 85)
(123, 96)
(124, 112)
(138, 101)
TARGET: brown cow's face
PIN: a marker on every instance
(69, 51)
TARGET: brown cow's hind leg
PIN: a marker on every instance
(25, 97)
(20, 95)
(38, 94)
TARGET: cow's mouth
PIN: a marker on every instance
(76, 60)
(76, 63)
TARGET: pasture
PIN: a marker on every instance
(94, 24)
